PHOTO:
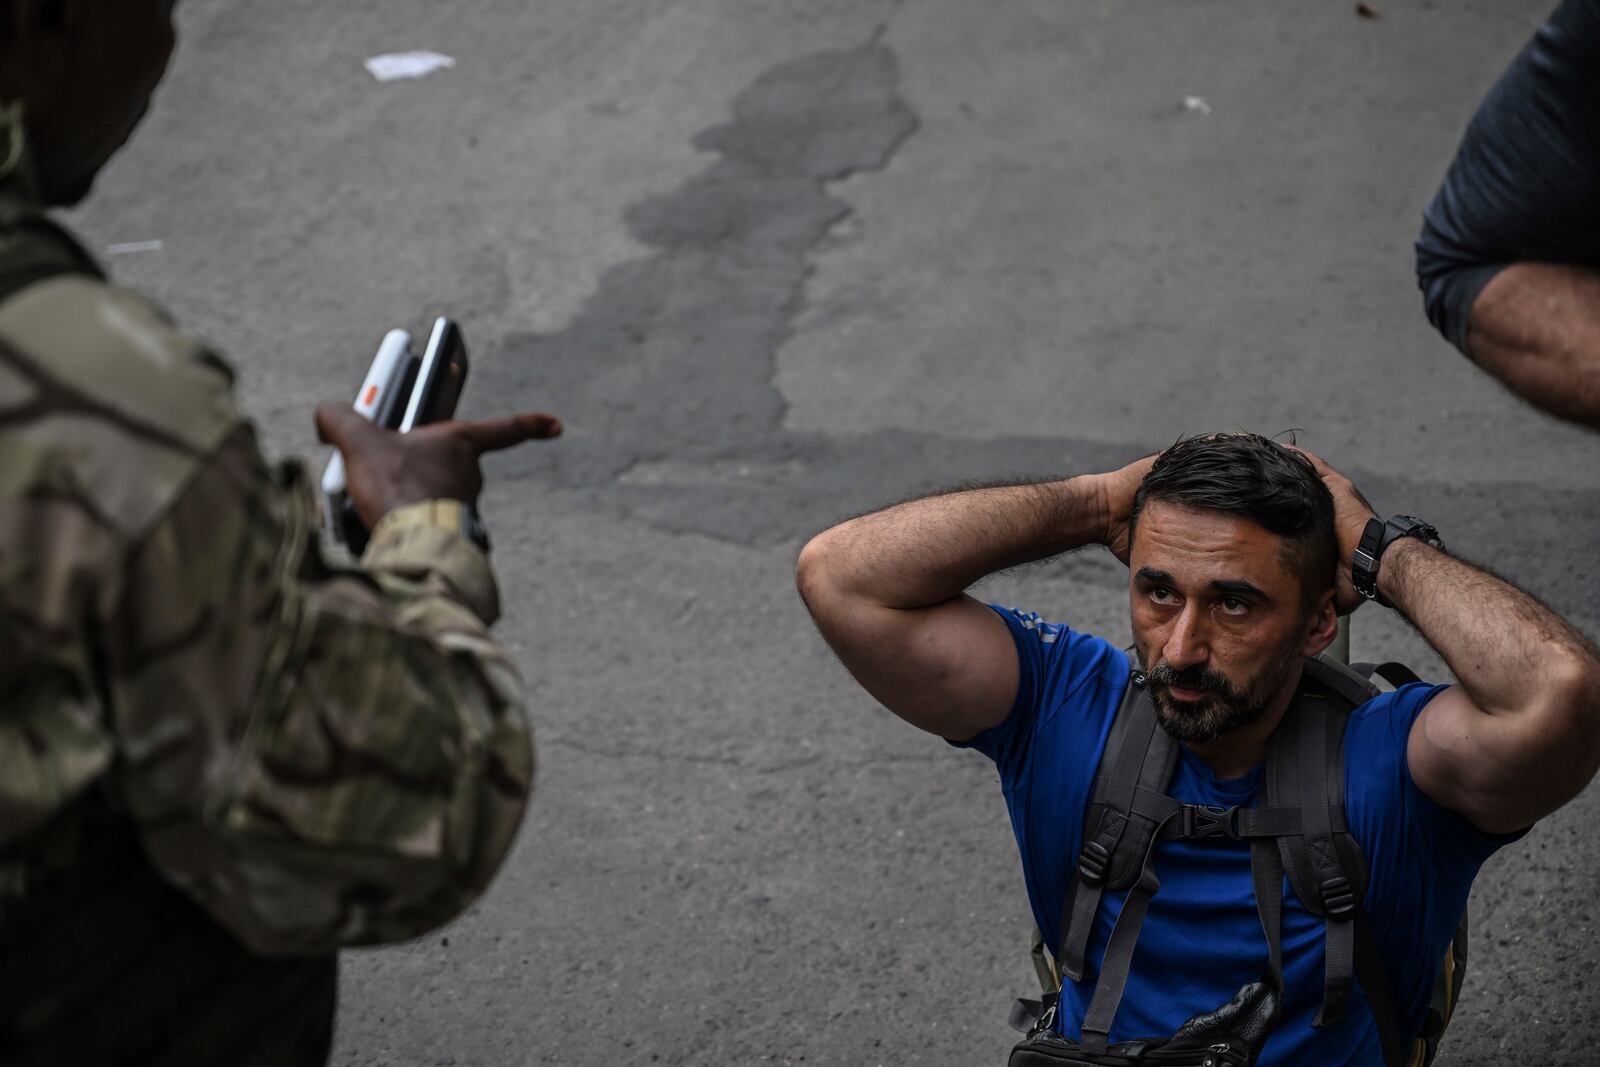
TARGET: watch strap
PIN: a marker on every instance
(1375, 541)
(1364, 562)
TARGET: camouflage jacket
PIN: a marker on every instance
(317, 754)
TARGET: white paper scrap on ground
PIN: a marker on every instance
(129, 247)
(1197, 104)
(397, 65)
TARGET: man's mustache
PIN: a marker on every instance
(1197, 678)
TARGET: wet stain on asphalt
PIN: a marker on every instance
(665, 378)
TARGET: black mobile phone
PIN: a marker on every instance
(393, 406)
(422, 390)
(440, 377)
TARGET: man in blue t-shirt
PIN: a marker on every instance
(1240, 556)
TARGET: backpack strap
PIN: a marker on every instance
(1114, 967)
(1118, 836)
(1325, 865)
(1396, 674)
(1326, 871)
(1380, 996)
(1266, 872)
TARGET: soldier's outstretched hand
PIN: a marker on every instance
(388, 470)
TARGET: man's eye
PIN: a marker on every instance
(1161, 594)
(1234, 606)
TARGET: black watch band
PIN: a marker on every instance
(472, 527)
(1375, 541)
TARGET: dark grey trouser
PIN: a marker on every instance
(1525, 183)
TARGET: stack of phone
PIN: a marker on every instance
(400, 392)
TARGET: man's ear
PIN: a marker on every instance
(1324, 625)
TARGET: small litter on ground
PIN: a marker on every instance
(397, 65)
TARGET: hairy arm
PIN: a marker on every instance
(1510, 245)
(888, 590)
(1520, 735)
(1536, 327)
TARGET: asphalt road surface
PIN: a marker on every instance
(780, 261)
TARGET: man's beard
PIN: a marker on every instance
(1224, 707)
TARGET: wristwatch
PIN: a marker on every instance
(1375, 541)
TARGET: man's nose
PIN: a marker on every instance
(1186, 642)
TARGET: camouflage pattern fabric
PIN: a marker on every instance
(316, 755)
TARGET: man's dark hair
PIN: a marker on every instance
(1247, 475)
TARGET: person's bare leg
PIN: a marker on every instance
(1536, 327)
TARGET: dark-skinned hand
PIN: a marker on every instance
(388, 470)
(1351, 512)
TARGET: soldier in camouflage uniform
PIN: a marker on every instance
(222, 757)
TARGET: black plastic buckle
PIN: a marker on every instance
(1204, 820)
(1092, 863)
(1338, 897)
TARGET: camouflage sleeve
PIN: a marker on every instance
(321, 755)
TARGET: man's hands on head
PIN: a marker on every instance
(1351, 512)
(1117, 490)
(1515, 738)
(388, 470)
(888, 589)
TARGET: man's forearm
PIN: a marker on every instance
(1508, 651)
(1536, 327)
(1518, 737)
(928, 551)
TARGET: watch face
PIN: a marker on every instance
(1411, 526)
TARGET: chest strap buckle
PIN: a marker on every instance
(1204, 820)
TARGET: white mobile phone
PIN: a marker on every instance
(379, 400)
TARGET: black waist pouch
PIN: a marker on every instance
(1049, 1049)
(1231, 1036)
